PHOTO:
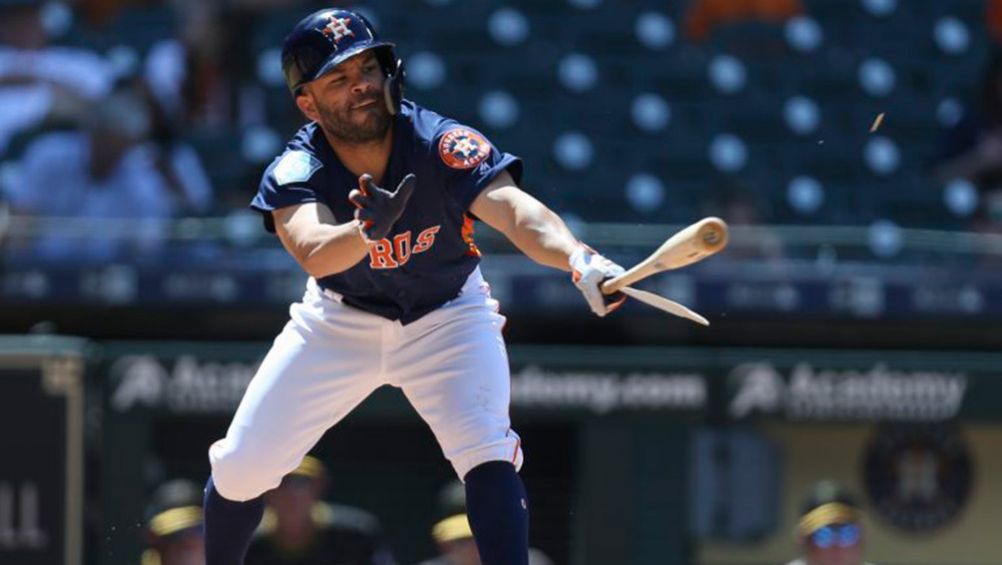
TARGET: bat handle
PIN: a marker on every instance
(616, 283)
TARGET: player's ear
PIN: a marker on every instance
(306, 104)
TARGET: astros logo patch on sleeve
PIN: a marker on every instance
(295, 166)
(463, 148)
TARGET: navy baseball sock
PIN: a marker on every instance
(497, 507)
(229, 526)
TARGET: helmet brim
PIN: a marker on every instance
(336, 59)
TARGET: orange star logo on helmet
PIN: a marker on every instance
(338, 29)
(462, 148)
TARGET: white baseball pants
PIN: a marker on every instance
(451, 365)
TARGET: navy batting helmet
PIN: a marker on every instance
(325, 38)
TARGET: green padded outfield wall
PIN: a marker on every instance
(610, 436)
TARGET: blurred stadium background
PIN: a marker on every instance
(855, 146)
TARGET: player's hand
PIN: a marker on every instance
(378, 209)
(589, 271)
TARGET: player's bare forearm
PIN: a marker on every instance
(321, 246)
(329, 250)
(542, 235)
(535, 229)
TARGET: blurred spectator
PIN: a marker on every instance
(178, 162)
(830, 530)
(207, 75)
(298, 528)
(738, 205)
(703, 16)
(993, 19)
(453, 536)
(188, 75)
(109, 171)
(174, 525)
(98, 13)
(40, 83)
(972, 149)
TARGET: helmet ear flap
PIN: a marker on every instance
(393, 87)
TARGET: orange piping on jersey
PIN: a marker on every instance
(468, 236)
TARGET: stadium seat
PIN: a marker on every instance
(797, 99)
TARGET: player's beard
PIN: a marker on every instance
(364, 125)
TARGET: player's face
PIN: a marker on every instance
(349, 101)
(462, 552)
(187, 549)
(294, 497)
(835, 556)
(844, 547)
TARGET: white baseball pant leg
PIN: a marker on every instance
(324, 363)
(452, 366)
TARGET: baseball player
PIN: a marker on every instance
(453, 536)
(300, 528)
(174, 525)
(376, 199)
(830, 529)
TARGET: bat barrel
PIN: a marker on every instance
(694, 243)
(713, 234)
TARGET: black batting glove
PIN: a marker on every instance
(378, 209)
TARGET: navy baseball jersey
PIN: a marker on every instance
(429, 254)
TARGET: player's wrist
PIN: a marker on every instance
(579, 256)
(360, 228)
(577, 252)
(589, 270)
(574, 257)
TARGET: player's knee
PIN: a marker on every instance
(242, 472)
(507, 448)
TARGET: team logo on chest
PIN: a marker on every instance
(338, 29)
(462, 148)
